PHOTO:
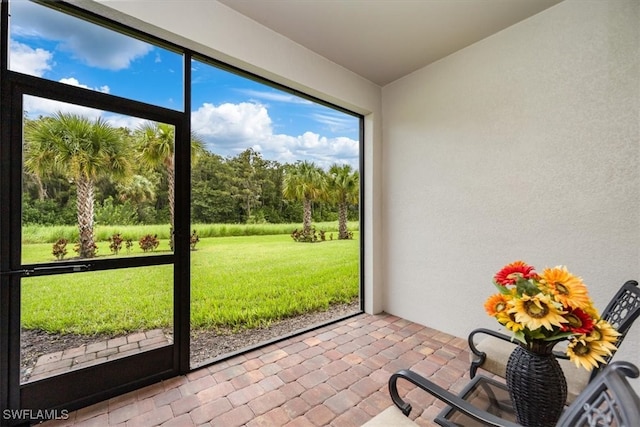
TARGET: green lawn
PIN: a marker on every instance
(239, 282)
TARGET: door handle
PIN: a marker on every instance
(56, 269)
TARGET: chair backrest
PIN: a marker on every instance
(621, 312)
(608, 400)
(624, 307)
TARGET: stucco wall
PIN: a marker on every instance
(523, 146)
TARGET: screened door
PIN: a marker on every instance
(90, 302)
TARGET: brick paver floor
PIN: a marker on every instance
(333, 376)
(92, 354)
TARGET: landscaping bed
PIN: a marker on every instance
(205, 344)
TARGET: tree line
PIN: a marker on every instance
(86, 172)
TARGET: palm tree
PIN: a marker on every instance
(83, 151)
(39, 162)
(343, 189)
(304, 182)
(157, 148)
(138, 190)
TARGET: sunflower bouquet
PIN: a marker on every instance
(551, 306)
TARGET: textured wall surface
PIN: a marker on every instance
(523, 146)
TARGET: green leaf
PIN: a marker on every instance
(520, 337)
(537, 334)
(502, 289)
(528, 287)
(561, 336)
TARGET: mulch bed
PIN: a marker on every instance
(205, 344)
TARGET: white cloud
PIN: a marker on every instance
(335, 121)
(88, 43)
(119, 121)
(275, 96)
(232, 125)
(311, 146)
(105, 49)
(27, 60)
(36, 107)
(229, 129)
(74, 82)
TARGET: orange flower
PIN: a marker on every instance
(510, 273)
(495, 304)
(566, 288)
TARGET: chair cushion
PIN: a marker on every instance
(498, 352)
(392, 416)
(577, 379)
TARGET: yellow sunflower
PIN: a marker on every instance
(566, 288)
(537, 311)
(509, 321)
(587, 354)
(604, 335)
(495, 304)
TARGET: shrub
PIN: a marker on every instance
(116, 243)
(111, 213)
(148, 242)
(193, 240)
(47, 212)
(257, 218)
(310, 236)
(60, 249)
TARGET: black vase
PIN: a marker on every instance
(536, 383)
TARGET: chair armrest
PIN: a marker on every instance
(480, 356)
(444, 395)
(560, 355)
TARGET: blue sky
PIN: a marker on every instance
(229, 112)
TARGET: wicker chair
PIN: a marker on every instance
(608, 400)
(492, 351)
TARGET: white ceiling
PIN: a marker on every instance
(383, 40)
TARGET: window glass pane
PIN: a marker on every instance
(95, 183)
(256, 274)
(72, 321)
(53, 45)
(232, 114)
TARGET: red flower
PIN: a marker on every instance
(578, 322)
(510, 273)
